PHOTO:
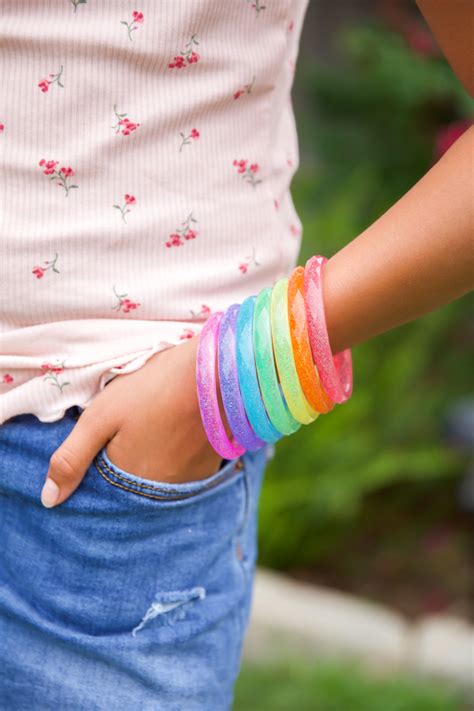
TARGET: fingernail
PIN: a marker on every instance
(49, 493)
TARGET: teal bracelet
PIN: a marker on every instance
(290, 382)
(247, 374)
(272, 395)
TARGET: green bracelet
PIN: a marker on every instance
(272, 394)
(290, 382)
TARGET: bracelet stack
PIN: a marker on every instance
(270, 361)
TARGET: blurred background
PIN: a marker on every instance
(376, 500)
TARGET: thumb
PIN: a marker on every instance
(70, 461)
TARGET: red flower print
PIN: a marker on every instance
(188, 139)
(54, 78)
(124, 124)
(291, 26)
(245, 89)
(137, 19)
(187, 333)
(276, 203)
(247, 172)
(295, 230)
(51, 371)
(126, 305)
(129, 200)
(183, 232)
(39, 272)
(2, 127)
(7, 378)
(204, 312)
(249, 261)
(75, 3)
(60, 176)
(257, 6)
(186, 56)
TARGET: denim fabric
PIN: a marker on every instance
(133, 594)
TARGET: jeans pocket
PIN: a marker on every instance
(164, 491)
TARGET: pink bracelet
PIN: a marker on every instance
(207, 390)
(335, 372)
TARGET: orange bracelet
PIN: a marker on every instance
(305, 366)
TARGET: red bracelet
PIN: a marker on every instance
(335, 372)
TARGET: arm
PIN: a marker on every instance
(416, 257)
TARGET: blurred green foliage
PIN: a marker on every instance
(337, 687)
(367, 130)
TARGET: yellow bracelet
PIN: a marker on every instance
(289, 380)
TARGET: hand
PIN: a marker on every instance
(150, 422)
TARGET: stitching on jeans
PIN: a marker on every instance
(154, 487)
(99, 462)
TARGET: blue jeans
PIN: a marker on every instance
(132, 595)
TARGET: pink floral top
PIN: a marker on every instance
(147, 154)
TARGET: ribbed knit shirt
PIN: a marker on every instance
(146, 156)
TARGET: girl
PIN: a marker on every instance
(147, 158)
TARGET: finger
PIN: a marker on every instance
(70, 461)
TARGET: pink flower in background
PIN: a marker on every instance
(124, 125)
(193, 136)
(124, 209)
(183, 232)
(186, 56)
(420, 40)
(123, 304)
(449, 134)
(132, 26)
(7, 378)
(187, 333)
(39, 272)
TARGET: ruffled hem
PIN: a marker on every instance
(86, 383)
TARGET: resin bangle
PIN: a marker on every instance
(335, 372)
(247, 374)
(207, 390)
(272, 394)
(305, 367)
(290, 384)
(229, 382)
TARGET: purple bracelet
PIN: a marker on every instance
(207, 390)
(229, 382)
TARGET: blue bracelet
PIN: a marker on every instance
(229, 382)
(272, 394)
(247, 373)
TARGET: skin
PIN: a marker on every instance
(414, 258)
